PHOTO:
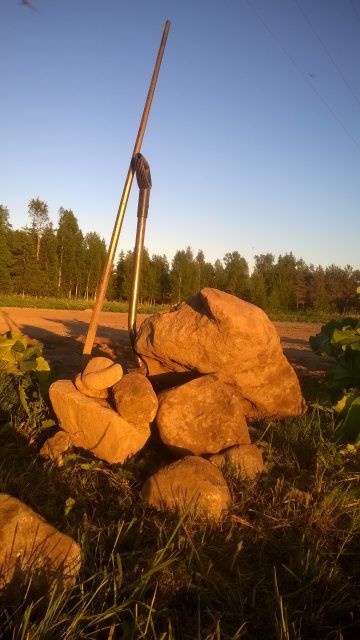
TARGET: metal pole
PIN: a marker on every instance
(123, 202)
(143, 177)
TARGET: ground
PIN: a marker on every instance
(63, 334)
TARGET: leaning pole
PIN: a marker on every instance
(100, 295)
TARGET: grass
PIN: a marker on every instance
(76, 304)
(283, 564)
(73, 304)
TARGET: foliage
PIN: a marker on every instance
(283, 563)
(63, 262)
(340, 339)
(25, 376)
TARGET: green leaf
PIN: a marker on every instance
(42, 364)
(33, 352)
(23, 400)
(350, 429)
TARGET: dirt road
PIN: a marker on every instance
(63, 334)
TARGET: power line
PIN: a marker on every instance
(304, 75)
(306, 17)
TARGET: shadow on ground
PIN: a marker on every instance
(66, 351)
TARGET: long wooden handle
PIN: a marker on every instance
(123, 202)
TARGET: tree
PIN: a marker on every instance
(183, 275)
(123, 276)
(48, 262)
(284, 281)
(158, 280)
(94, 257)
(219, 275)
(25, 270)
(70, 254)
(5, 254)
(236, 274)
(38, 212)
(258, 290)
(265, 266)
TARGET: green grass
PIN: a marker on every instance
(74, 304)
(317, 317)
(283, 564)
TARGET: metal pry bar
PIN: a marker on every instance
(143, 177)
(123, 202)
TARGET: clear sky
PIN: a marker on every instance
(253, 139)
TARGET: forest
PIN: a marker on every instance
(41, 260)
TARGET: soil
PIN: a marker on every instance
(63, 334)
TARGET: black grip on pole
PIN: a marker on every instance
(142, 171)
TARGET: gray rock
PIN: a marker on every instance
(246, 458)
(215, 332)
(33, 552)
(190, 481)
(135, 399)
(94, 427)
(201, 416)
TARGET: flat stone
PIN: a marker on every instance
(98, 363)
(203, 416)
(96, 428)
(104, 378)
(189, 480)
(134, 398)
(54, 447)
(246, 458)
(33, 552)
(89, 391)
(216, 332)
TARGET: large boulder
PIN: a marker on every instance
(34, 556)
(202, 416)
(94, 427)
(190, 481)
(215, 332)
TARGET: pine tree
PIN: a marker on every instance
(5, 254)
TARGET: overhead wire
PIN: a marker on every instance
(304, 75)
(331, 58)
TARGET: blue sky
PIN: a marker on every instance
(254, 135)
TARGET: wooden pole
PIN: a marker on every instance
(123, 202)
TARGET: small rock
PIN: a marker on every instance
(33, 553)
(247, 458)
(94, 427)
(103, 379)
(54, 448)
(89, 391)
(97, 364)
(135, 399)
(190, 478)
(203, 416)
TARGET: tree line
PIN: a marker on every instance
(63, 262)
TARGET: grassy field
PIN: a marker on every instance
(284, 562)
(316, 317)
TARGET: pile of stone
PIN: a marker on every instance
(214, 363)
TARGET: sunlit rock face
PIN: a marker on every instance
(202, 416)
(34, 556)
(215, 332)
(97, 428)
(246, 459)
(191, 482)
